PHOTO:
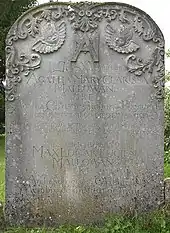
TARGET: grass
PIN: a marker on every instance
(167, 164)
(158, 222)
(167, 170)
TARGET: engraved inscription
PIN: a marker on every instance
(98, 157)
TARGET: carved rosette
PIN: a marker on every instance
(47, 27)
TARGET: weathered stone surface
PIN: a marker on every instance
(167, 191)
(84, 113)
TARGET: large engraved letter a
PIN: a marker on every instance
(86, 44)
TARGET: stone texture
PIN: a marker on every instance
(167, 191)
(84, 113)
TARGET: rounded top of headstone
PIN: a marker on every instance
(46, 26)
(144, 23)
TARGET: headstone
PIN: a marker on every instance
(84, 113)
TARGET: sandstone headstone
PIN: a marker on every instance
(84, 113)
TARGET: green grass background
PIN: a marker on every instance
(167, 170)
(158, 222)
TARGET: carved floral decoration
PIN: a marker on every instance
(138, 66)
(15, 65)
(86, 16)
(48, 30)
